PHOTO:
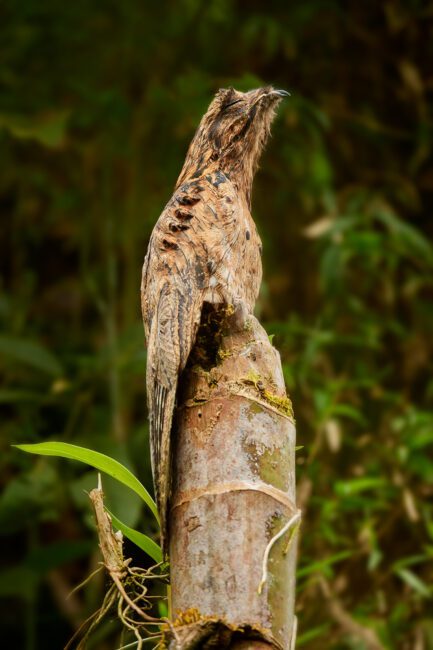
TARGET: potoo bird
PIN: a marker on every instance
(204, 248)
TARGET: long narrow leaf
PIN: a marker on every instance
(142, 541)
(30, 353)
(312, 634)
(322, 564)
(95, 459)
(414, 582)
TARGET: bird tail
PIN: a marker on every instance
(162, 403)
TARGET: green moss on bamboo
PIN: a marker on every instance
(271, 465)
(281, 402)
(223, 354)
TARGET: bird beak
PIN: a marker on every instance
(273, 94)
(280, 93)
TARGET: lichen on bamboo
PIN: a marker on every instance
(282, 403)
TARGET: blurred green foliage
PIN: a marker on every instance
(98, 102)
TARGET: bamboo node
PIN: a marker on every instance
(234, 486)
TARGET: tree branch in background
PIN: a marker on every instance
(346, 620)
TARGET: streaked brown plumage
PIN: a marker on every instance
(204, 248)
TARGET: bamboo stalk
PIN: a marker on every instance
(234, 491)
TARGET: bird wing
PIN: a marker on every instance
(174, 277)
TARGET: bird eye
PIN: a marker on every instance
(236, 101)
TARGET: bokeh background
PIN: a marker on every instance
(98, 102)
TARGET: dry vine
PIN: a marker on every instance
(128, 593)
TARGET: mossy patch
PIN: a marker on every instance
(271, 465)
(254, 409)
(282, 403)
(191, 615)
(212, 631)
(223, 354)
(275, 468)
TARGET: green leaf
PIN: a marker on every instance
(30, 353)
(374, 559)
(16, 396)
(357, 485)
(414, 582)
(162, 609)
(312, 634)
(48, 129)
(118, 499)
(29, 498)
(142, 541)
(407, 233)
(348, 411)
(95, 459)
(411, 561)
(19, 582)
(45, 558)
(322, 564)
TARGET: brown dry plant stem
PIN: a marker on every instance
(128, 591)
(345, 620)
(233, 519)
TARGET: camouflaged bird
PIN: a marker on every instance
(204, 249)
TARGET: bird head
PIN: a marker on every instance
(233, 133)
